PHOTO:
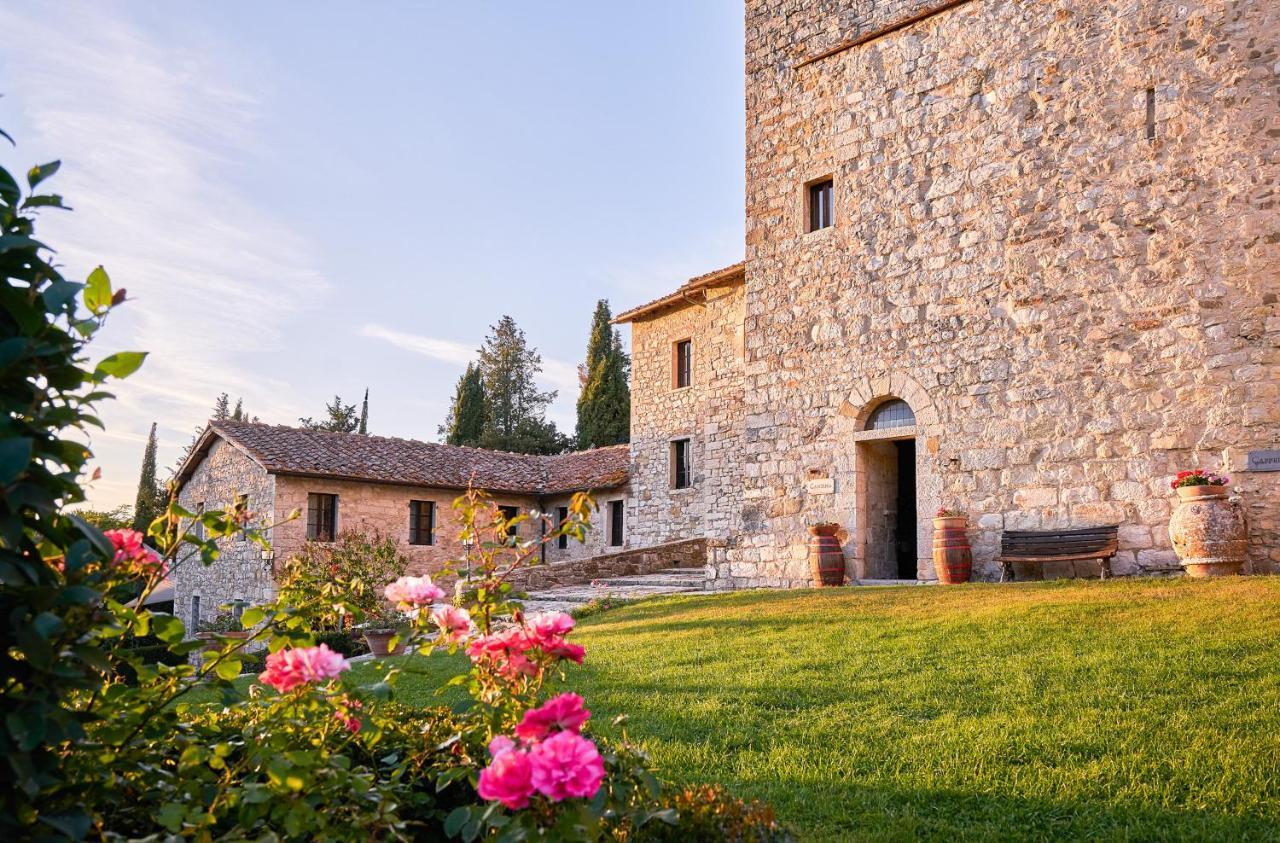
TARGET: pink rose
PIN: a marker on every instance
(565, 713)
(134, 556)
(508, 778)
(345, 713)
(288, 669)
(545, 625)
(412, 592)
(566, 765)
(454, 623)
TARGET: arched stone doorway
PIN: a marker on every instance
(887, 454)
(892, 480)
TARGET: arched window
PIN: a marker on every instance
(893, 413)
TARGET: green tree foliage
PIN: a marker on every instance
(340, 418)
(515, 417)
(465, 423)
(238, 414)
(364, 414)
(119, 518)
(151, 497)
(604, 407)
(222, 408)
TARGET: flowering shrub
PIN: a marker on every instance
(944, 512)
(1198, 477)
(97, 740)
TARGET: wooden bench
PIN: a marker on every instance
(1058, 546)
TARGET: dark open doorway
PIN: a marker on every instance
(905, 526)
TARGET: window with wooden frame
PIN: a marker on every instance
(682, 364)
(562, 515)
(617, 527)
(681, 464)
(422, 522)
(322, 517)
(820, 201)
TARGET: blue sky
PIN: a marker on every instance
(306, 198)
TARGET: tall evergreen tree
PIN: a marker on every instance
(364, 414)
(150, 499)
(604, 406)
(515, 418)
(222, 408)
(465, 423)
(238, 414)
(340, 418)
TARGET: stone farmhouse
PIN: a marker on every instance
(1016, 258)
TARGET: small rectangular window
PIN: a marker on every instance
(237, 608)
(422, 522)
(683, 364)
(681, 470)
(508, 513)
(820, 208)
(1151, 113)
(197, 526)
(562, 515)
(322, 517)
(195, 613)
(616, 526)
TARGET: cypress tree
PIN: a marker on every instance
(150, 498)
(465, 423)
(364, 414)
(604, 406)
(222, 408)
(238, 413)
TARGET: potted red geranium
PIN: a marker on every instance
(1199, 483)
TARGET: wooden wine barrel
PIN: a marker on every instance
(952, 557)
(825, 556)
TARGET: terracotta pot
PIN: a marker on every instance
(378, 641)
(1191, 493)
(826, 559)
(1209, 533)
(952, 557)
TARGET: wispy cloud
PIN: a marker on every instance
(447, 351)
(147, 133)
(556, 374)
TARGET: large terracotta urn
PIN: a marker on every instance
(826, 559)
(952, 557)
(1208, 531)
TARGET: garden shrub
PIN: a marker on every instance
(300, 756)
(343, 642)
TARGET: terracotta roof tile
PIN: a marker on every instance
(382, 459)
(735, 274)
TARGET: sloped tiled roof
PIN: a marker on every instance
(735, 274)
(383, 459)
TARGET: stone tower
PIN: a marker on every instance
(1017, 257)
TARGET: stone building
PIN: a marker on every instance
(394, 487)
(1015, 258)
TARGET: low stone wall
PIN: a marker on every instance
(690, 553)
(724, 575)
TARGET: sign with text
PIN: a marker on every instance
(821, 486)
(1264, 461)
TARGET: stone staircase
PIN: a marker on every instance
(628, 587)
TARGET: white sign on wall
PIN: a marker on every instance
(821, 486)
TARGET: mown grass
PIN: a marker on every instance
(1126, 710)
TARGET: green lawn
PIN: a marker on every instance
(1126, 710)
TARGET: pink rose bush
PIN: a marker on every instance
(292, 668)
(413, 592)
(133, 556)
(551, 758)
(527, 648)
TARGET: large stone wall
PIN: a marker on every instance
(383, 509)
(1075, 311)
(240, 571)
(709, 412)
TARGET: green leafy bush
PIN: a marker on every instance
(345, 642)
(96, 737)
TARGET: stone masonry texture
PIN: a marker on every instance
(1077, 302)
